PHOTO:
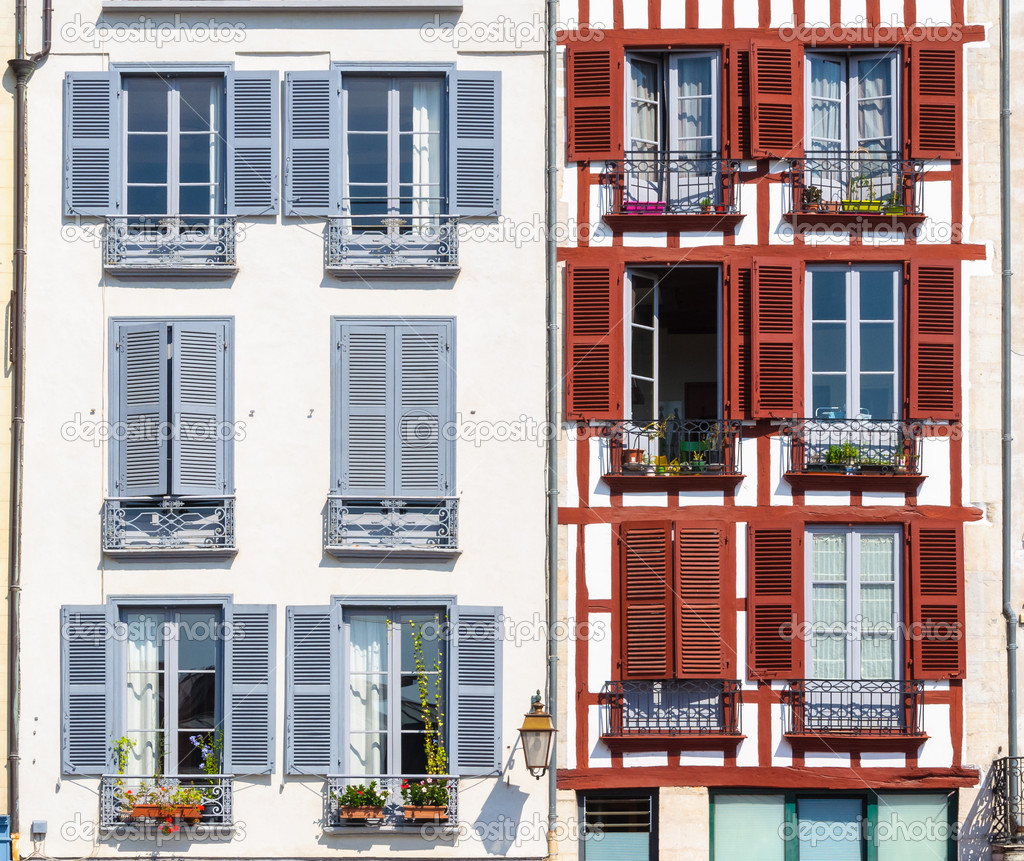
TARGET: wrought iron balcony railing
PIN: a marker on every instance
(672, 183)
(396, 813)
(859, 182)
(1007, 781)
(673, 447)
(175, 244)
(122, 809)
(419, 245)
(853, 446)
(671, 707)
(171, 525)
(849, 707)
(356, 524)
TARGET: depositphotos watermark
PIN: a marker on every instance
(516, 631)
(88, 830)
(888, 829)
(148, 628)
(863, 33)
(859, 627)
(97, 433)
(507, 33)
(507, 832)
(157, 33)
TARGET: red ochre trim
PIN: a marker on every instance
(855, 743)
(654, 14)
(956, 720)
(672, 745)
(656, 39)
(854, 483)
(582, 655)
(648, 256)
(874, 12)
(670, 483)
(692, 222)
(777, 514)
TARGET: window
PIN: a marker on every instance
(853, 103)
(619, 828)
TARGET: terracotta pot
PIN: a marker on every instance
(425, 813)
(190, 813)
(360, 813)
(146, 811)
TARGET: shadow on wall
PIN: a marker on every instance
(973, 842)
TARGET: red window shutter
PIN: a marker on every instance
(646, 600)
(936, 97)
(594, 336)
(933, 342)
(774, 601)
(701, 649)
(777, 363)
(739, 102)
(737, 359)
(937, 601)
(594, 104)
(777, 100)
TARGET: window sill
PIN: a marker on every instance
(822, 741)
(858, 482)
(151, 831)
(422, 554)
(169, 528)
(669, 483)
(153, 270)
(345, 273)
(696, 221)
(290, 5)
(852, 220)
(673, 742)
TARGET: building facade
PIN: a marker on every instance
(780, 493)
(266, 266)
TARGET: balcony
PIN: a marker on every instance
(122, 817)
(394, 816)
(176, 245)
(169, 527)
(412, 528)
(392, 246)
(852, 454)
(671, 191)
(672, 454)
(673, 713)
(854, 715)
(859, 188)
(1007, 801)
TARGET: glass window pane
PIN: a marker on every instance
(198, 157)
(828, 296)
(828, 347)
(912, 827)
(367, 158)
(197, 640)
(145, 633)
(147, 200)
(368, 640)
(828, 656)
(414, 755)
(642, 400)
(878, 558)
(368, 753)
(878, 606)
(368, 698)
(419, 105)
(367, 103)
(146, 100)
(420, 164)
(829, 829)
(142, 759)
(878, 396)
(877, 291)
(643, 352)
(197, 200)
(828, 602)
(190, 757)
(197, 700)
(877, 658)
(199, 105)
(829, 396)
(426, 629)
(828, 556)
(147, 158)
(877, 347)
(747, 827)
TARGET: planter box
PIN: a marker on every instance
(874, 468)
(825, 467)
(425, 813)
(862, 206)
(360, 814)
(634, 207)
(191, 814)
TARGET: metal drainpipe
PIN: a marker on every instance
(22, 68)
(551, 215)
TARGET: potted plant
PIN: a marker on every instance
(874, 465)
(812, 198)
(860, 200)
(425, 800)
(839, 458)
(168, 802)
(637, 207)
(706, 205)
(361, 802)
(632, 459)
(892, 204)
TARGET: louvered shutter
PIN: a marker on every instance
(423, 394)
(646, 623)
(933, 372)
(776, 99)
(313, 143)
(476, 657)
(249, 702)
(774, 601)
(594, 339)
(198, 407)
(737, 359)
(91, 144)
(777, 339)
(86, 636)
(936, 102)
(366, 439)
(141, 438)
(594, 90)
(475, 143)
(311, 725)
(252, 138)
(738, 119)
(937, 601)
(702, 651)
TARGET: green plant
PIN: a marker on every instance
(845, 453)
(812, 195)
(705, 201)
(361, 795)
(211, 746)
(429, 792)
(433, 724)
(122, 747)
(169, 799)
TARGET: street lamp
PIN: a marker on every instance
(536, 734)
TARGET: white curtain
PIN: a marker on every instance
(143, 720)
(368, 693)
(826, 104)
(828, 606)
(644, 97)
(694, 131)
(878, 606)
(874, 106)
(426, 159)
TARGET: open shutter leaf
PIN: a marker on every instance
(249, 709)
(594, 338)
(422, 391)
(594, 103)
(475, 135)
(199, 386)
(252, 138)
(646, 622)
(313, 141)
(774, 599)
(366, 437)
(936, 102)
(933, 373)
(737, 359)
(937, 601)
(738, 121)
(701, 649)
(776, 98)
(777, 342)
(310, 726)
(91, 144)
(476, 658)
(142, 399)
(85, 642)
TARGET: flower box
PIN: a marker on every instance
(190, 813)
(425, 813)
(360, 814)
(636, 207)
(862, 206)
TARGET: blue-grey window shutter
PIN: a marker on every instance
(475, 143)
(249, 687)
(310, 694)
(85, 644)
(253, 143)
(367, 392)
(141, 438)
(476, 658)
(91, 136)
(198, 408)
(423, 390)
(312, 143)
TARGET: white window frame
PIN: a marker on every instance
(853, 354)
(853, 583)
